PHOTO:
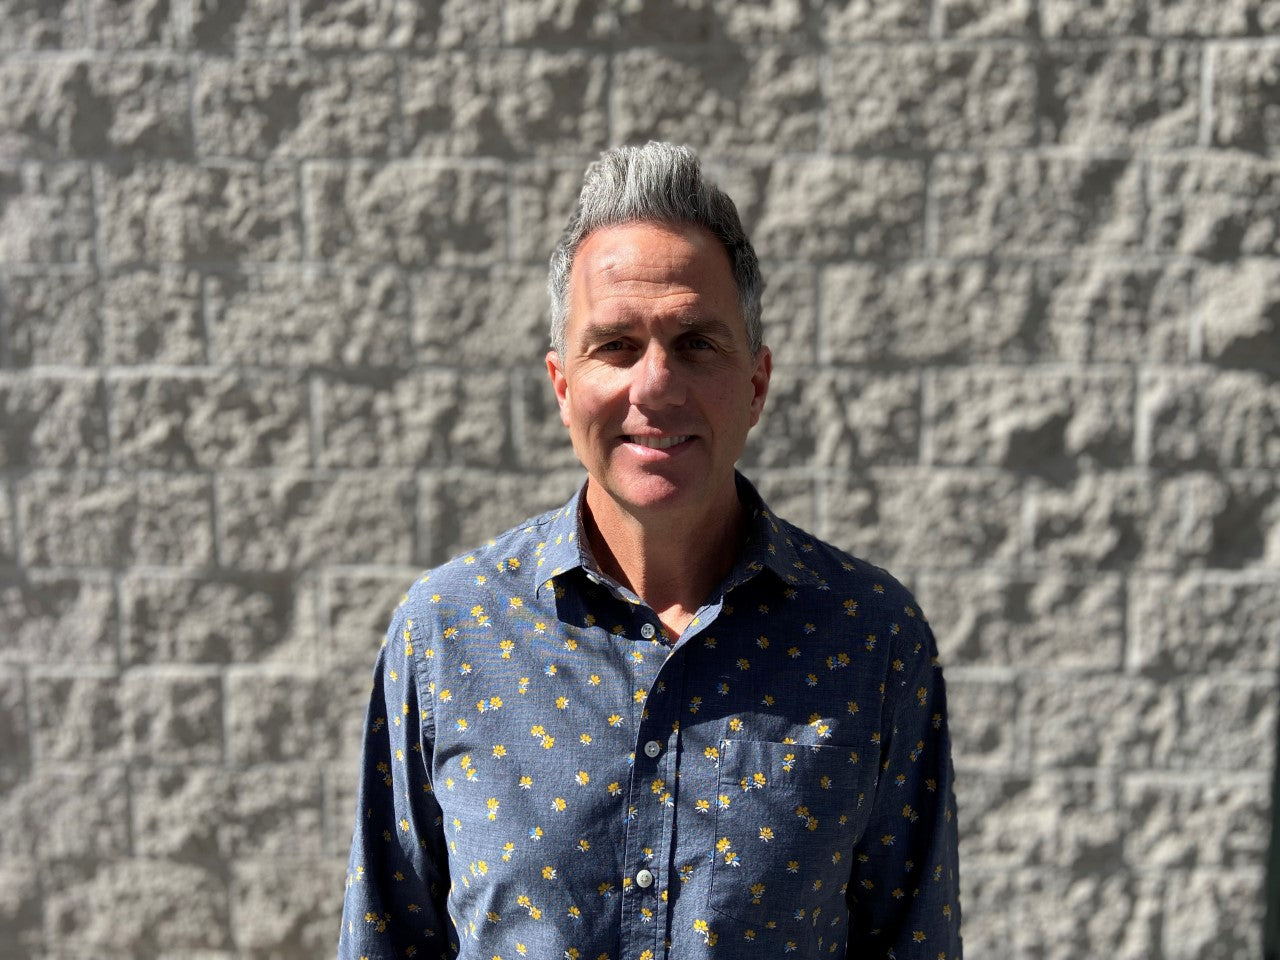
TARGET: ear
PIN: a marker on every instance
(760, 382)
(559, 383)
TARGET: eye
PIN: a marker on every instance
(699, 343)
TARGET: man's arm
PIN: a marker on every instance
(903, 895)
(397, 876)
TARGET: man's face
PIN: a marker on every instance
(658, 385)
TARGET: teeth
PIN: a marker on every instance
(658, 443)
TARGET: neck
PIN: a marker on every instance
(672, 563)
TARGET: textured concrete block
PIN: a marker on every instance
(541, 439)
(408, 213)
(1030, 423)
(164, 213)
(50, 319)
(300, 319)
(15, 732)
(839, 419)
(1214, 915)
(275, 717)
(173, 717)
(900, 518)
(287, 909)
(8, 538)
(433, 418)
(834, 207)
(1102, 311)
(1051, 621)
(1104, 721)
(1170, 822)
(83, 108)
(375, 24)
(21, 905)
(57, 620)
(1139, 95)
(1234, 522)
(542, 197)
(208, 423)
(557, 22)
(79, 814)
(724, 99)
(40, 25)
(180, 811)
(1230, 18)
(1110, 520)
(153, 316)
(505, 103)
(51, 421)
(923, 97)
(295, 107)
(1216, 207)
(790, 314)
(135, 23)
(240, 23)
(76, 718)
(788, 22)
(850, 21)
(462, 316)
(291, 521)
(794, 497)
(341, 779)
(1054, 914)
(928, 312)
(145, 906)
(981, 716)
(1238, 315)
(266, 617)
(1037, 204)
(359, 607)
(459, 510)
(987, 18)
(1214, 419)
(196, 813)
(46, 214)
(1227, 725)
(1092, 18)
(1069, 821)
(1246, 97)
(1198, 623)
(105, 520)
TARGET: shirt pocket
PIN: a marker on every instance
(787, 819)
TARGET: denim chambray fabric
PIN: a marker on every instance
(545, 775)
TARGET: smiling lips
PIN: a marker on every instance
(657, 443)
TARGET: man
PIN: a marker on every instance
(659, 721)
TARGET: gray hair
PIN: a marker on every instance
(660, 183)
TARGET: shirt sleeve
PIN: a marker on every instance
(903, 894)
(397, 876)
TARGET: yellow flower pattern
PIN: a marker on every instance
(559, 779)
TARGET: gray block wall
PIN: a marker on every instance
(271, 326)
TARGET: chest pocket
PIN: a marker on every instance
(786, 822)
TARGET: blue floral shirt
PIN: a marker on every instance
(546, 775)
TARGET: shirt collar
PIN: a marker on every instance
(771, 544)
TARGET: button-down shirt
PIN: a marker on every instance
(547, 775)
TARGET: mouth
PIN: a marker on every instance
(657, 443)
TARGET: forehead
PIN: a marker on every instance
(655, 266)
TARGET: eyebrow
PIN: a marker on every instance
(612, 329)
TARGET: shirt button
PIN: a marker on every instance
(652, 748)
(644, 879)
(647, 631)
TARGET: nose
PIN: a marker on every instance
(655, 381)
